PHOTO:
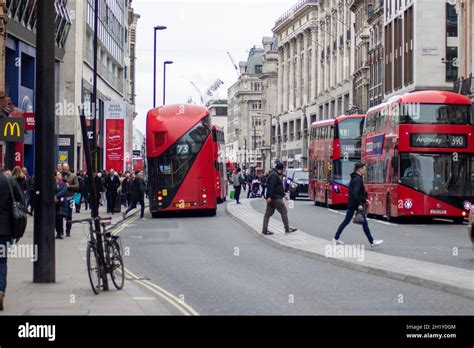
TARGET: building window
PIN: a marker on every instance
(451, 21)
(258, 69)
(256, 105)
(451, 57)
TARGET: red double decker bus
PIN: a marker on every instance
(180, 159)
(333, 150)
(222, 185)
(419, 150)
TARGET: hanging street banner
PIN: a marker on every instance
(114, 141)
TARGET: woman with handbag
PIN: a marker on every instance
(357, 203)
(62, 207)
(8, 188)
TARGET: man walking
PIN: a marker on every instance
(126, 189)
(111, 184)
(237, 181)
(6, 226)
(275, 196)
(138, 189)
(357, 201)
(72, 184)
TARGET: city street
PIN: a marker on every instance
(218, 267)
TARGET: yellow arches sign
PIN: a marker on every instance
(12, 129)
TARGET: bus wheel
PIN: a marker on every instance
(210, 212)
(458, 220)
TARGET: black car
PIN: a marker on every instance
(288, 177)
(299, 184)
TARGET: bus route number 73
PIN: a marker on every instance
(182, 149)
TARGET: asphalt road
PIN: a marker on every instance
(219, 267)
(439, 242)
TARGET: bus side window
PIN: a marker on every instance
(395, 168)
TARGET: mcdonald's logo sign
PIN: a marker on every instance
(12, 129)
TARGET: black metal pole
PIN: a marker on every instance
(164, 84)
(94, 199)
(94, 87)
(44, 220)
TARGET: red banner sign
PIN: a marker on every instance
(30, 121)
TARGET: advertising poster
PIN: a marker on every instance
(114, 135)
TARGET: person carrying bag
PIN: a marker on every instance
(12, 222)
(357, 204)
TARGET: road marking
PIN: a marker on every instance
(162, 293)
(144, 298)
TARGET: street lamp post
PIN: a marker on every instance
(164, 79)
(158, 27)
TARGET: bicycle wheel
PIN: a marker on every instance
(115, 264)
(93, 268)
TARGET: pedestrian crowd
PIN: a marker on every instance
(72, 191)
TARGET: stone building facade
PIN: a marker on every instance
(314, 73)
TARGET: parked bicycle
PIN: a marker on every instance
(112, 261)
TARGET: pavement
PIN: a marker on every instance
(459, 281)
(71, 294)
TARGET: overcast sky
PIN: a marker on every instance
(198, 36)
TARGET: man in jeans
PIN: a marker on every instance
(357, 202)
(275, 196)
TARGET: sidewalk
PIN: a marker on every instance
(446, 278)
(72, 294)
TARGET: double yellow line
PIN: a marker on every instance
(184, 308)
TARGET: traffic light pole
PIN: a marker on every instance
(44, 220)
(94, 199)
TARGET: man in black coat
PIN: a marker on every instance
(111, 184)
(274, 197)
(357, 202)
(6, 226)
(138, 190)
(126, 189)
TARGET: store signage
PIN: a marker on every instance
(12, 129)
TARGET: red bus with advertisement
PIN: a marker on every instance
(222, 184)
(333, 150)
(180, 160)
(419, 150)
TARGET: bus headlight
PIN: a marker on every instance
(408, 204)
(336, 188)
(467, 205)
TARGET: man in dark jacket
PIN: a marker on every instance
(138, 195)
(357, 202)
(275, 196)
(111, 184)
(6, 226)
(72, 184)
(126, 189)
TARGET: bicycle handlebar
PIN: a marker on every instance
(90, 220)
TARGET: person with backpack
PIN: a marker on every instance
(237, 182)
(357, 202)
(6, 223)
